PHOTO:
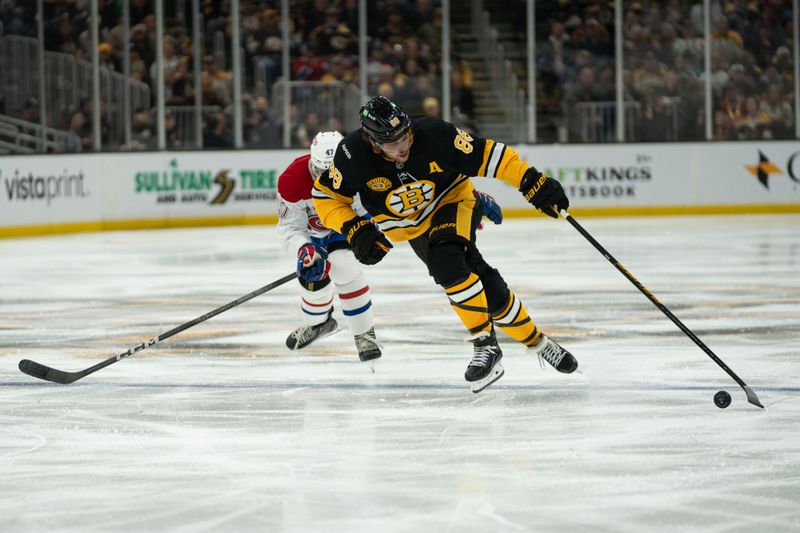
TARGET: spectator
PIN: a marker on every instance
(308, 66)
(261, 128)
(178, 88)
(333, 37)
(30, 112)
(171, 132)
(463, 98)
(106, 58)
(307, 130)
(779, 111)
(215, 84)
(143, 131)
(74, 142)
(430, 107)
(216, 133)
(385, 89)
(752, 123)
(171, 61)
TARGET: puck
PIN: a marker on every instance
(722, 399)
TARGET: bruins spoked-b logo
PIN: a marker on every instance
(410, 198)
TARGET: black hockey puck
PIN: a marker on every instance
(722, 399)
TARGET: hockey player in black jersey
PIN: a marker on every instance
(413, 177)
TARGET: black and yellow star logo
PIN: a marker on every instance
(764, 168)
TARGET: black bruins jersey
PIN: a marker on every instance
(402, 197)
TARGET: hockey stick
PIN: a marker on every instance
(32, 368)
(751, 396)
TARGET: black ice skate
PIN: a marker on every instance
(485, 367)
(367, 344)
(305, 335)
(553, 353)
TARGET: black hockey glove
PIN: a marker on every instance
(369, 244)
(545, 194)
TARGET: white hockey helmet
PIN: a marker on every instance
(323, 147)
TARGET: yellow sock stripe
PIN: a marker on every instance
(502, 314)
(474, 321)
(468, 282)
(468, 300)
(486, 326)
(518, 324)
(515, 324)
(515, 313)
(468, 307)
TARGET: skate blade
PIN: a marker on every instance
(497, 372)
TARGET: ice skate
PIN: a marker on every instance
(549, 350)
(368, 347)
(305, 335)
(485, 367)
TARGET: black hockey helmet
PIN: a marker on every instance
(383, 120)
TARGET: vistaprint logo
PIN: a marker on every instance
(216, 187)
(22, 186)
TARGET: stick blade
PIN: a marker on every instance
(37, 370)
(751, 396)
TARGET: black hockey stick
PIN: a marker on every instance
(751, 396)
(32, 368)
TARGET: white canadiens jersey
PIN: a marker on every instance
(297, 217)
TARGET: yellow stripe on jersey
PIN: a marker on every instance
(464, 216)
(327, 191)
(487, 150)
(334, 209)
(502, 162)
(511, 168)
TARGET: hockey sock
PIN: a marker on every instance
(515, 322)
(356, 304)
(316, 305)
(468, 300)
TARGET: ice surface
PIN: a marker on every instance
(221, 428)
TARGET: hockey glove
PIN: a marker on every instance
(369, 244)
(545, 194)
(489, 207)
(312, 263)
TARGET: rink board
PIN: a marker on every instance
(66, 193)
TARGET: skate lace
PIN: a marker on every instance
(482, 355)
(551, 353)
(367, 341)
(303, 334)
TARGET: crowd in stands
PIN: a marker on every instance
(404, 50)
(663, 67)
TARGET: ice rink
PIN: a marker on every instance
(222, 428)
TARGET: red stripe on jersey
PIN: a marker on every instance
(295, 183)
(317, 305)
(354, 294)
